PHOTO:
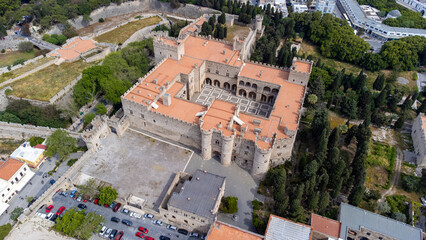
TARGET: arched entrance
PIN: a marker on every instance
(242, 93)
(216, 83)
(263, 98)
(252, 95)
(227, 86)
(208, 81)
(216, 155)
(248, 84)
(271, 99)
(234, 88)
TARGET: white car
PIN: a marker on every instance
(135, 215)
(79, 199)
(49, 215)
(193, 234)
(108, 232)
(171, 227)
(102, 231)
(158, 222)
(42, 215)
(150, 216)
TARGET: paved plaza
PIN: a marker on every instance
(209, 93)
(138, 165)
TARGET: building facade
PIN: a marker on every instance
(192, 201)
(418, 135)
(33, 156)
(14, 175)
(163, 102)
(325, 6)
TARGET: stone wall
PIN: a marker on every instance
(23, 131)
(99, 56)
(141, 34)
(12, 68)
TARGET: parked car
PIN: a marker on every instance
(108, 232)
(49, 208)
(106, 205)
(48, 216)
(96, 201)
(125, 211)
(115, 219)
(75, 196)
(112, 204)
(60, 210)
(127, 222)
(171, 227)
(423, 199)
(150, 216)
(164, 238)
(135, 215)
(64, 193)
(119, 235)
(112, 235)
(116, 207)
(158, 222)
(149, 238)
(72, 194)
(193, 234)
(82, 206)
(52, 181)
(85, 199)
(203, 237)
(182, 231)
(53, 218)
(79, 199)
(139, 234)
(103, 230)
(142, 229)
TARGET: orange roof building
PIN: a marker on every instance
(222, 231)
(203, 94)
(74, 48)
(325, 228)
(14, 175)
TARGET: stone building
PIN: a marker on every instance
(193, 201)
(228, 125)
(418, 134)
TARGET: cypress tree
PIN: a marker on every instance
(379, 83)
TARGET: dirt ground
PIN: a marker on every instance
(35, 228)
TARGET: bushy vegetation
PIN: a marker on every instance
(215, 28)
(88, 118)
(107, 195)
(4, 230)
(35, 140)
(72, 161)
(25, 46)
(14, 215)
(398, 206)
(101, 109)
(409, 19)
(229, 205)
(79, 224)
(60, 144)
(55, 39)
(118, 72)
(21, 111)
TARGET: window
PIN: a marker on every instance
(153, 120)
(208, 69)
(8, 189)
(193, 217)
(21, 174)
(142, 116)
(247, 147)
(186, 215)
(25, 169)
(227, 74)
(131, 112)
(175, 211)
(185, 221)
(12, 182)
(217, 142)
(202, 220)
(279, 154)
(16, 179)
(173, 216)
(278, 147)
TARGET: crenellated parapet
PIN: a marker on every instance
(99, 129)
(261, 161)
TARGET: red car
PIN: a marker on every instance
(60, 210)
(116, 207)
(139, 234)
(96, 201)
(49, 208)
(106, 205)
(119, 235)
(144, 230)
(149, 238)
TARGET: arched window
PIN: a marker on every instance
(227, 86)
(270, 99)
(275, 91)
(208, 81)
(241, 83)
(267, 89)
(252, 95)
(217, 142)
(216, 83)
(263, 98)
(248, 84)
(254, 86)
(242, 93)
(234, 88)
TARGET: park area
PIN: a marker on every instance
(9, 58)
(24, 69)
(380, 166)
(236, 30)
(121, 34)
(44, 84)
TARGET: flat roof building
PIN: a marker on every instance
(418, 134)
(324, 228)
(280, 228)
(358, 223)
(33, 156)
(223, 231)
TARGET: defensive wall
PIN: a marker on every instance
(24, 131)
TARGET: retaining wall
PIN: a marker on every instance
(24, 131)
(12, 68)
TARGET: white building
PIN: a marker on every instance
(33, 156)
(415, 5)
(299, 7)
(325, 6)
(418, 135)
(14, 175)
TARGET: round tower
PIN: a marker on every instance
(206, 144)
(259, 20)
(261, 161)
(227, 147)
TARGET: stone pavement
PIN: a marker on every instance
(209, 93)
(36, 188)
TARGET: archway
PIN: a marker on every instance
(267, 89)
(270, 99)
(252, 95)
(216, 83)
(275, 91)
(234, 88)
(242, 93)
(241, 83)
(263, 98)
(208, 81)
(216, 155)
(248, 84)
(227, 86)
(254, 86)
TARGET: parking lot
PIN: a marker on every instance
(154, 231)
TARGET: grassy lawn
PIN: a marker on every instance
(26, 68)
(380, 164)
(310, 49)
(121, 34)
(45, 83)
(8, 58)
(235, 30)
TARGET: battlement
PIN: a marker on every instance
(262, 150)
(294, 65)
(210, 38)
(97, 125)
(269, 65)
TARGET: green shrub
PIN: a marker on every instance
(229, 205)
(88, 118)
(14, 215)
(4, 230)
(3, 51)
(259, 224)
(410, 183)
(101, 109)
(101, 20)
(19, 61)
(25, 47)
(35, 140)
(72, 161)
(8, 91)
(256, 204)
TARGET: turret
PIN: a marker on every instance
(259, 20)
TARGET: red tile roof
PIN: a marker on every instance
(41, 146)
(325, 225)
(9, 168)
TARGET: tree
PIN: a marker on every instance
(380, 82)
(222, 18)
(88, 118)
(90, 188)
(310, 169)
(324, 200)
(229, 205)
(14, 215)
(101, 109)
(174, 3)
(316, 86)
(60, 143)
(25, 47)
(360, 81)
(356, 195)
(320, 121)
(399, 217)
(312, 99)
(107, 195)
(4, 230)
(383, 208)
(79, 224)
(313, 201)
(399, 122)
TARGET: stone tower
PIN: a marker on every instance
(259, 20)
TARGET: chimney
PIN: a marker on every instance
(167, 99)
(155, 81)
(260, 74)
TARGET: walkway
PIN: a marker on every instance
(397, 173)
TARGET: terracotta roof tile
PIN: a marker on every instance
(222, 231)
(9, 168)
(75, 48)
(325, 225)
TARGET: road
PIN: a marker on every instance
(397, 173)
(154, 231)
(36, 188)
